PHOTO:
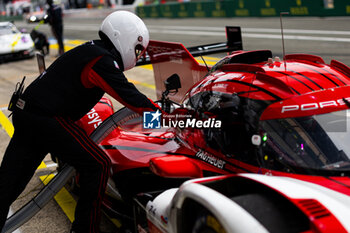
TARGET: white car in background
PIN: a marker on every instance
(13, 43)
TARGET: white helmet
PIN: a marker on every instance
(129, 35)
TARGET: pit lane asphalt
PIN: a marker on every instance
(326, 37)
(319, 37)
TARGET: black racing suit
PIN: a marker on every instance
(54, 18)
(71, 86)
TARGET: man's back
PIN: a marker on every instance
(59, 91)
(54, 15)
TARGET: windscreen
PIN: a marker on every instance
(7, 29)
(319, 142)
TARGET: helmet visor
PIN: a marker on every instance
(139, 51)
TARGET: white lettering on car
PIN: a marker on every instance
(290, 108)
(208, 158)
(314, 106)
(311, 106)
(328, 103)
(94, 117)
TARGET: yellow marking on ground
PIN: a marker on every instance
(76, 42)
(6, 124)
(199, 60)
(66, 47)
(68, 44)
(42, 165)
(63, 199)
(209, 63)
(208, 60)
(142, 84)
(147, 67)
(211, 58)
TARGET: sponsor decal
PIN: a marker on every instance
(94, 118)
(164, 219)
(155, 120)
(211, 159)
(314, 106)
(152, 210)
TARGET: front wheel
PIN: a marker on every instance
(207, 223)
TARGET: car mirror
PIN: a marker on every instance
(172, 83)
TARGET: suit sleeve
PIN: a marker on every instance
(104, 73)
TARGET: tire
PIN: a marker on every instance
(207, 223)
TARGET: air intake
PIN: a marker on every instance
(314, 208)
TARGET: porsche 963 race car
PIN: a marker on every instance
(277, 161)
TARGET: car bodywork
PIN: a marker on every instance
(318, 209)
(13, 43)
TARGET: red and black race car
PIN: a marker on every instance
(267, 138)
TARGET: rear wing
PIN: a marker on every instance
(168, 58)
(233, 43)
